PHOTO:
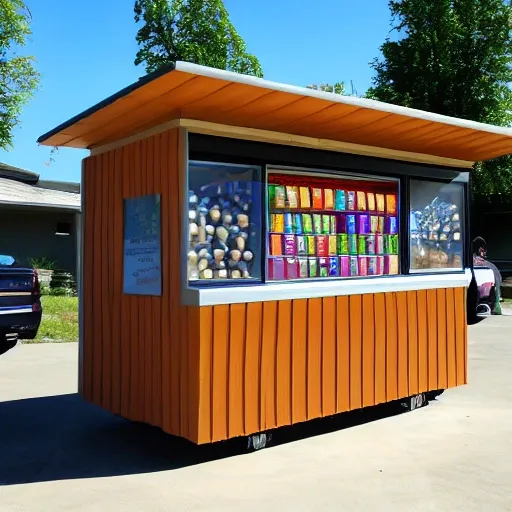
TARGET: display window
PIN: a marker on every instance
(436, 226)
(331, 226)
(224, 223)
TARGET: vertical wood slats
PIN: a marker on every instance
(307, 358)
(216, 372)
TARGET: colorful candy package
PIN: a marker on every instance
(288, 223)
(279, 197)
(310, 245)
(305, 199)
(328, 199)
(344, 266)
(379, 199)
(391, 265)
(361, 201)
(297, 223)
(276, 268)
(352, 244)
(301, 245)
(303, 268)
(343, 243)
(313, 267)
(354, 266)
(372, 266)
(391, 203)
(317, 223)
(276, 245)
(380, 227)
(290, 246)
(317, 198)
(340, 203)
(323, 267)
(292, 268)
(334, 224)
(361, 244)
(392, 227)
(379, 244)
(278, 223)
(351, 201)
(370, 244)
(363, 224)
(326, 224)
(370, 199)
(292, 194)
(333, 267)
(363, 266)
(374, 223)
(307, 223)
(351, 224)
(321, 245)
(333, 249)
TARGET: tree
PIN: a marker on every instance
(452, 57)
(18, 77)
(197, 31)
(337, 88)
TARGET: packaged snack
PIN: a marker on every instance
(297, 223)
(393, 242)
(292, 268)
(313, 267)
(380, 265)
(380, 227)
(344, 266)
(334, 223)
(392, 227)
(279, 197)
(290, 246)
(361, 244)
(363, 266)
(278, 223)
(351, 224)
(372, 266)
(301, 245)
(271, 195)
(379, 244)
(288, 223)
(305, 199)
(351, 200)
(379, 199)
(370, 199)
(303, 268)
(391, 265)
(370, 244)
(326, 224)
(317, 198)
(310, 245)
(343, 243)
(276, 246)
(374, 223)
(317, 223)
(292, 197)
(307, 223)
(276, 268)
(333, 267)
(391, 203)
(328, 199)
(387, 244)
(354, 266)
(361, 201)
(352, 244)
(321, 245)
(363, 224)
(340, 203)
(332, 245)
(323, 267)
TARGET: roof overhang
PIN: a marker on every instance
(210, 95)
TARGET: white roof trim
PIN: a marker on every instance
(220, 74)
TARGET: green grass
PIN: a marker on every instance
(60, 320)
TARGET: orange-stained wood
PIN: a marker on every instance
(299, 360)
(433, 366)
(412, 339)
(391, 347)
(342, 354)
(283, 363)
(356, 349)
(368, 350)
(380, 347)
(268, 364)
(403, 349)
(314, 358)
(328, 356)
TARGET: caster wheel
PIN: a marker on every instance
(258, 441)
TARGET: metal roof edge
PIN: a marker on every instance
(107, 101)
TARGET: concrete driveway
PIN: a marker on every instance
(60, 454)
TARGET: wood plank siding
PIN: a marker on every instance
(215, 372)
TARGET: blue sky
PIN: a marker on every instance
(85, 52)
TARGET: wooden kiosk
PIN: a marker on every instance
(257, 255)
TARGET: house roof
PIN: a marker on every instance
(196, 92)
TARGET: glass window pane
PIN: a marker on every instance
(331, 226)
(436, 226)
(224, 230)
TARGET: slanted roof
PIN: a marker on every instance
(196, 92)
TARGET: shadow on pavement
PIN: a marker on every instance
(62, 437)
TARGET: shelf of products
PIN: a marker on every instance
(224, 212)
(435, 225)
(331, 227)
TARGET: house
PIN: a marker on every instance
(39, 218)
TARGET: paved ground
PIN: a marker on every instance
(58, 454)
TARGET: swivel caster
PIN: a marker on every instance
(258, 441)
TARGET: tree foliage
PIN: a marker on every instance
(197, 31)
(452, 57)
(337, 88)
(18, 77)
